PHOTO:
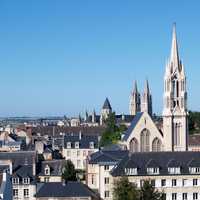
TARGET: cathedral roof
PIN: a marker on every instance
(132, 126)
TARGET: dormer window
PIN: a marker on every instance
(130, 171)
(91, 145)
(194, 170)
(15, 180)
(26, 180)
(152, 170)
(47, 171)
(76, 145)
(174, 170)
(69, 145)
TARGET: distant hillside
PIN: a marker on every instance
(194, 122)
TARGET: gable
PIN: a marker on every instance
(143, 121)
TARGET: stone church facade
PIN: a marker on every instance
(171, 134)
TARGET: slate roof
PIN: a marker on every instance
(70, 189)
(107, 105)
(132, 126)
(19, 157)
(48, 130)
(162, 160)
(24, 171)
(109, 157)
(56, 167)
(84, 141)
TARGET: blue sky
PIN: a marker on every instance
(63, 57)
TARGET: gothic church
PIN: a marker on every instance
(144, 133)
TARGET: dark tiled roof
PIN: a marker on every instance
(56, 167)
(107, 105)
(132, 126)
(24, 171)
(19, 157)
(107, 157)
(70, 189)
(48, 130)
(162, 160)
(84, 141)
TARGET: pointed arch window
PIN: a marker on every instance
(145, 140)
(133, 145)
(156, 145)
(177, 134)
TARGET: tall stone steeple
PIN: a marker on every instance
(135, 102)
(146, 105)
(175, 101)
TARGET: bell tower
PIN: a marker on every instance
(175, 128)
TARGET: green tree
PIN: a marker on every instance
(124, 190)
(112, 133)
(69, 172)
(148, 192)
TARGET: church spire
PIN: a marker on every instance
(135, 90)
(174, 59)
(146, 88)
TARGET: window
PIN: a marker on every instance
(69, 145)
(78, 163)
(106, 167)
(26, 193)
(195, 196)
(184, 182)
(195, 182)
(106, 180)
(15, 180)
(68, 153)
(91, 145)
(145, 140)
(194, 170)
(153, 170)
(26, 180)
(133, 146)
(177, 133)
(84, 153)
(47, 170)
(156, 145)
(173, 182)
(174, 196)
(174, 170)
(106, 194)
(92, 179)
(15, 193)
(76, 145)
(131, 171)
(163, 182)
(78, 153)
(153, 183)
(184, 196)
(46, 179)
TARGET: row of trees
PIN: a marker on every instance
(194, 122)
(125, 190)
(112, 133)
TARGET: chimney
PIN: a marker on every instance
(34, 166)
(80, 135)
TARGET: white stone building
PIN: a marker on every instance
(77, 147)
